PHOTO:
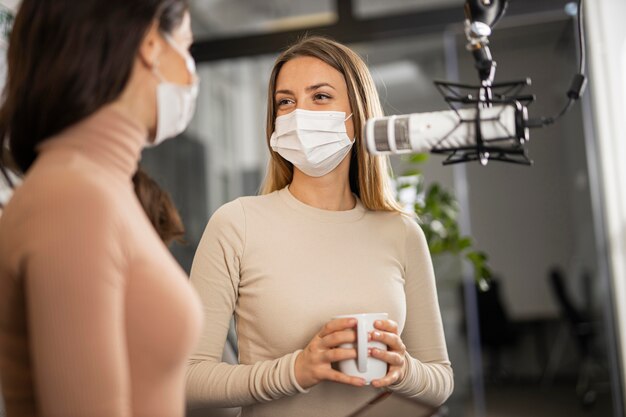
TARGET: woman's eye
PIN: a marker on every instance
(322, 96)
(284, 102)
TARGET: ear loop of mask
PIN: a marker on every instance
(353, 140)
(7, 179)
(3, 168)
(6, 176)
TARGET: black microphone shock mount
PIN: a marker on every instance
(481, 16)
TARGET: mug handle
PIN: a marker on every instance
(362, 345)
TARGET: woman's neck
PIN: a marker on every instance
(330, 192)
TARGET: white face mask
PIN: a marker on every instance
(176, 103)
(314, 141)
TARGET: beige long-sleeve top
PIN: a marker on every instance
(96, 317)
(284, 269)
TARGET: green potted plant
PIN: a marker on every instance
(437, 212)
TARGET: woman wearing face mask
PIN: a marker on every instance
(96, 317)
(326, 238)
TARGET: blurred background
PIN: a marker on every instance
(543, 335)
(541, 338)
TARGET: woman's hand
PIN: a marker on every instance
(313, 364)
(387, 333)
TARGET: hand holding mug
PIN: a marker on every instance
(365, 365)
(386, 331)
(313, 364)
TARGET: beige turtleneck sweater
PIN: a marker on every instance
(284, 269)
(96, 317)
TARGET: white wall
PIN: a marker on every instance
(607, 54)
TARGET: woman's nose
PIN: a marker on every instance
(304, 106)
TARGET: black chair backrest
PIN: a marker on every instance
(568, 309)
(578, 320)
(496, 328)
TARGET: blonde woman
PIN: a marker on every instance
(325, 238)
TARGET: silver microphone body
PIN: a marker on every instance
(446, 130)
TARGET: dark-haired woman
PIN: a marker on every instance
(96, 317)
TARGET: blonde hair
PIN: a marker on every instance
(369, 174)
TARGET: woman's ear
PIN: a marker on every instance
(151, 46)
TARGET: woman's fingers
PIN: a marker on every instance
(392, 376)
(325, 350)
(392, 358)
(386, 326)
(314, 363)
(336, 325)
(333, 375)
(339, 354)
(339, 337)
(390, 339)
(387, 333)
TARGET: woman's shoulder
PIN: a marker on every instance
(404, 224)
(65, 191)
(232, 219)
(243, 207)
(58, 206)
(402, 219)
(261, 201)
(228, 212)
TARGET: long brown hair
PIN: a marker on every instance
(67, 59)
(159, 208)
(369, 174)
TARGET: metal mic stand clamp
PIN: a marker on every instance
(481, 16)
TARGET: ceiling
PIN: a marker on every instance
(227, 18)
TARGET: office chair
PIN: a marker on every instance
(497, 331)
(583, 332)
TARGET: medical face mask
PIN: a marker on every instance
(176, 103)
(314, 141)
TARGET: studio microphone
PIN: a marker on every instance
(488, 120)
(498, 130)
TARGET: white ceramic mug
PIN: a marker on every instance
(364, 366)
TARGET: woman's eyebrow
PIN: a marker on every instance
(316, 86)
(288, 92)
(308, 89)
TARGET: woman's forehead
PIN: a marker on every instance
(305, 71)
